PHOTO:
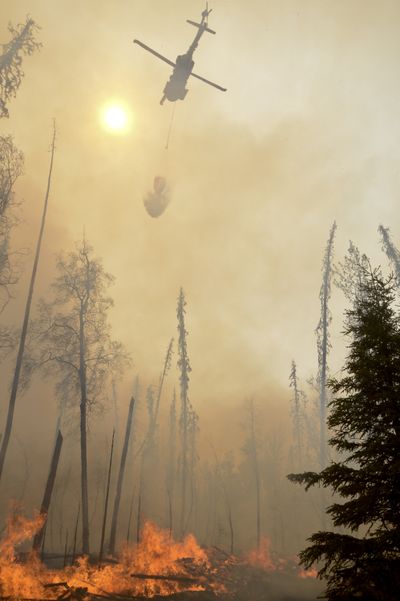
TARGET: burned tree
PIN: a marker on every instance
(184, 369)
(44, 509)
(25, 323)
(171, 467)
(298, 416)
(193, 430)
(149, 446)
(120, 481)
(22, 43)
(251, 449)
(323, 343)
(73, 344)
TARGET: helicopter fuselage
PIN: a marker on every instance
(175, 88)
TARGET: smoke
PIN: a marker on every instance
(306, 134)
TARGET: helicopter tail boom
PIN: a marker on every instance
(200, 26)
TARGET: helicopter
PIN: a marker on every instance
(175, 88)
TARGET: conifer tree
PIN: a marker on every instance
(364, 562)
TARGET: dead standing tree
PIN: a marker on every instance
(251, 449)
(149, 448)
(171, 466)
(193, 431)
(25, 323)
(298, 416)
(323, 344)
(22, 43)
(73, 344)
(120, 481)
(185, 369)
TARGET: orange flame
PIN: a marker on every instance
(261, 557)
(156, 555)
(174, 566)
(20, 579)
(185, 563)
(311, 573)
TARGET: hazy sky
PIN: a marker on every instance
(307, 133)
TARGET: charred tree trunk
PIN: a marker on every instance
(121, 473)
(298, 415)
(184, 367)
(171, 470)
(65, 550)
(227, 501)
(24, 330)
(139, 518)
(128, 532)
(253, 452)
(44, 509)
(103, 529)
(323, 343)
(83, 436)
(75, 535)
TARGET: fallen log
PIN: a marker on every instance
(172, 577)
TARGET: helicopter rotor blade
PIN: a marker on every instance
(210, 83)
(157, 54)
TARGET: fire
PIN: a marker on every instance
(175, 566)
(157, 555)
(19, 579)
(157, 566)
(311, 573)
(261, 557)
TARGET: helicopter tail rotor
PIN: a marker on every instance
(206, 11)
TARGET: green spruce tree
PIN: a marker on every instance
(363, 561)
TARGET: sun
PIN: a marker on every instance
(115, 118)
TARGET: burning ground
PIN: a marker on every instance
(157, 567)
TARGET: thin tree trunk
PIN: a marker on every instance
(43, 543)
(139, 518)
(184, 367)
(103, 530)
(83, 435)
(170, 513)
(256, 471)
(184, 471)
(65, 550)
(24, 330)
(75, 535)
(114, 523)
(44, 509)
(227, 501)
(323, 342)
(128, 533)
